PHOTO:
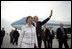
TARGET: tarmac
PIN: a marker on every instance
(7, 44)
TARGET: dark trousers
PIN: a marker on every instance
(49, 43)
(2, 40)
(45, 44)
(15, 40)
(39, 41)
(11, 39)
(63, 41)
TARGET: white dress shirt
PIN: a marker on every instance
(51, 31)
(34, 23)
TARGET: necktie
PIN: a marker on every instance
(36, 24)
(44, 31)
(51, 32)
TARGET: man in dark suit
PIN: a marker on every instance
(11, 36)
(45, 35)
(38, 25)
(2, 35)
(15, 36)
(62, 36)
(50, 37)
(1, 38)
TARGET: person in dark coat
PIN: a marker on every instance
(15, 36)
(38, 25)
(50, 37)
(0, 38)
(11, 36)
(62, 36)
(45, 35)
(2, 35)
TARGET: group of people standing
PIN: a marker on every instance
(48, 35)
(32, 34)
(14, 35)
(61, 36)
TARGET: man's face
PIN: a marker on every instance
(50, 27)
(35, 18)
(29, 20)
(61, 25)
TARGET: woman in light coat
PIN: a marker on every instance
(28, 36)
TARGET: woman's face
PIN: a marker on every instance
(29, 20)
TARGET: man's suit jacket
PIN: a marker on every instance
(16, 34)
(48, 34)
(2, 33)
(51, 36)
(39, 31)
(60, 34)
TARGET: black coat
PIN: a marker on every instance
(48, 34)
(2, 33)
(15, 34)
(11, 34)
(39, 31)
(51, 36)
(60, 34)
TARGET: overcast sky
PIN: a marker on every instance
(15, 10)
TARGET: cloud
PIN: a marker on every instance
(15, 10)
(6, 24)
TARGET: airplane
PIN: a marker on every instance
(18, 24)
(55, 24)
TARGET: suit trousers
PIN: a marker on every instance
(63, 41)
